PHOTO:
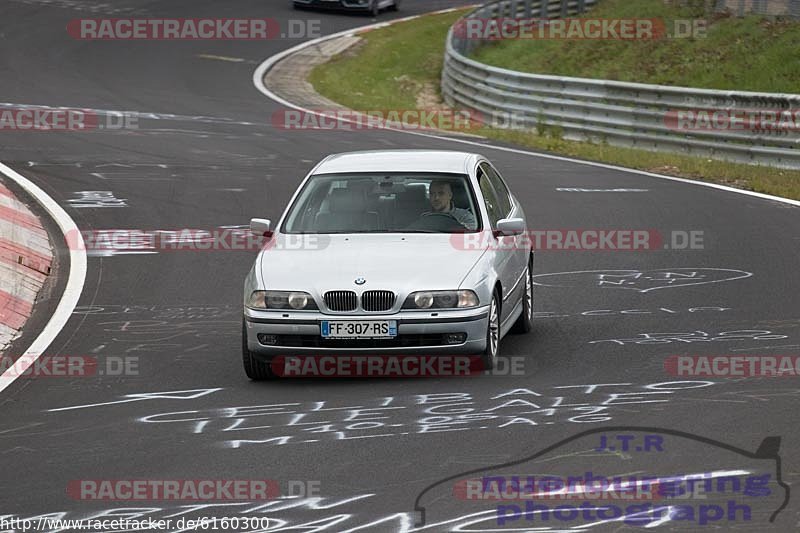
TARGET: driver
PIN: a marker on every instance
(441, 199)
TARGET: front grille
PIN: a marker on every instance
(401, 341)
(377, 300)
(341, 300)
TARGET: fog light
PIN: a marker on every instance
(263, 338)
(455, 338)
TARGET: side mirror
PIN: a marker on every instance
(510, 226)
(259, 226)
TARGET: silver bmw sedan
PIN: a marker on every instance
(390, 252)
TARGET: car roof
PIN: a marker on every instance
(398, 161)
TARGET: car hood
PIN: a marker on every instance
(397, 262)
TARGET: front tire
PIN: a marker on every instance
(489, 357)
(374, 10)
(524, 323)
(255, 369)
(395, 6)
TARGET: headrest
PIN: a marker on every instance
(413, 194)
(347, 201)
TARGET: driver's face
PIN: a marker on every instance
(440, 196)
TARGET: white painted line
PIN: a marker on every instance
(267, 64)
(221, 58)
(72, 291)
(578, 189)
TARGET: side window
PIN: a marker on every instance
(490, 198)
(503, 196)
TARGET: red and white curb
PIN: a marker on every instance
(25, 260)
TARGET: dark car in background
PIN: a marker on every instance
(372, 7)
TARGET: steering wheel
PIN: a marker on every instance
(437, 221)
(440, 214)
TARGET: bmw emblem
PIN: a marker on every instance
(360, 281)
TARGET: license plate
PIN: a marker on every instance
(358, 329)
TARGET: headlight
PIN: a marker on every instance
(423, 300)
(441, 300)
(281, 300)
(298, 300)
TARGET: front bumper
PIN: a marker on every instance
(418, 332)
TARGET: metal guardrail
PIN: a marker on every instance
(619, 113)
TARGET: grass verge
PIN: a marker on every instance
(399, 67)
(744, 54)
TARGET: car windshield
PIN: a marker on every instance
(384, 203)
